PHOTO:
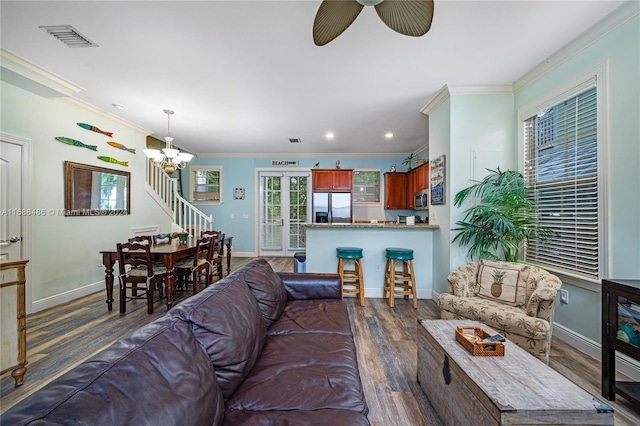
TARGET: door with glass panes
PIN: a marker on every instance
(284, 206)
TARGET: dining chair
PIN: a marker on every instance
(215, 259)
(191, 268)
(138, 272)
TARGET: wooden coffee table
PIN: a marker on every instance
(512, 389)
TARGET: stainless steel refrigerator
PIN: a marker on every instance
(332, 207)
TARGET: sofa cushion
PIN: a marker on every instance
(228, 323)
(503, 281)
(155, 376)
(313, 316)
(303, 372)
(295, 418)
(267, 288)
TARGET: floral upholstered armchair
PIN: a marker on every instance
(514, 299)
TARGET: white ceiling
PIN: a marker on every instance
(245, 76)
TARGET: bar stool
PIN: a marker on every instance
(399, 282)
(352, 281)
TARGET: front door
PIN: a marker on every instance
(284, 206)
(11, 209)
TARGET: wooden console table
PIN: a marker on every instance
(14, 319)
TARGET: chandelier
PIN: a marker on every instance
(169, 158)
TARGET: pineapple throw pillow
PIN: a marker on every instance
(503, 282)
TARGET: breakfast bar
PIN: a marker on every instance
(373, 238)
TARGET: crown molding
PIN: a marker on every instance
(86, 105)
(448, 90)
(22, 67)
(302, 155)
(609, 23)
(442, 95)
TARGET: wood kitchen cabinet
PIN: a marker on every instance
(395, 190)
(332, 180)
(421, 177)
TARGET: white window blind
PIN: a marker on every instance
(366, 186)
(561, 173)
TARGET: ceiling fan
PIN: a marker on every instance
(408, 17)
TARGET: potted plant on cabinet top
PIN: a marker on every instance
(409, 160)
(504, 219)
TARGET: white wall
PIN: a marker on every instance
(64, 251)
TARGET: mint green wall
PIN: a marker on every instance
(65, 250)
(621, 48)
(482, 137)
(439, 144)
(240, 172)
(475, 132)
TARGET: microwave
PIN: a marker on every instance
(421, 200)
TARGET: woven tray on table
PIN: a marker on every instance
(470, 337)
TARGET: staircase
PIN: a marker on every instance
(164, 190)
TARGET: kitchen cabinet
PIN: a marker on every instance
(620, 333)
(396, 190)
(420, 177)
(332, 180)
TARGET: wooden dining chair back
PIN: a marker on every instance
(193, 267)
(210, 234)
(216, 256)
(137, 272)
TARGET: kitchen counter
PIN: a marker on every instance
(373, 238)
(367, 225)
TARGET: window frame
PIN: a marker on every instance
(192, 184)
(367, 203)
(596, 77)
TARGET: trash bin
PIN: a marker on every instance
(300, 262)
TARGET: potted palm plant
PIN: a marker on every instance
(503, 220)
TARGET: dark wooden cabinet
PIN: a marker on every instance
(395, 190)
(332, 180)
(421, 177)
(620, 333)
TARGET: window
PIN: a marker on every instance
(561, 151)
(366, 186)
(206, 185)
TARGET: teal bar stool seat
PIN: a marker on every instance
(352, 281)
(399, 281)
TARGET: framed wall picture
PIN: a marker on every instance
(437, 180)
(238, 193)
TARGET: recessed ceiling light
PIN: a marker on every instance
(329, 135)
(388, 135)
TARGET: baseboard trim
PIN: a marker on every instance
(624, 364)
(67, 296)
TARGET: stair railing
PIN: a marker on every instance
(164, 190)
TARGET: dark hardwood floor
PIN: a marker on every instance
(61, 337)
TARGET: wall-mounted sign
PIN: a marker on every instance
(284, 163)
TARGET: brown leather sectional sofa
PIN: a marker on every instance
(256, 348)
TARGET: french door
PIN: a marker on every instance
(284, 205)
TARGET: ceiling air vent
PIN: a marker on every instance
(295, 140)
(68, 35)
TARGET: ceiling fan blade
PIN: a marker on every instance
(333, 17)
(408, 17)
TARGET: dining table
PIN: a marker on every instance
(167, 253)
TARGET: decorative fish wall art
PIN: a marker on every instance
(94, 129)
(112, 160)
(120, 146)
(74, 142)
